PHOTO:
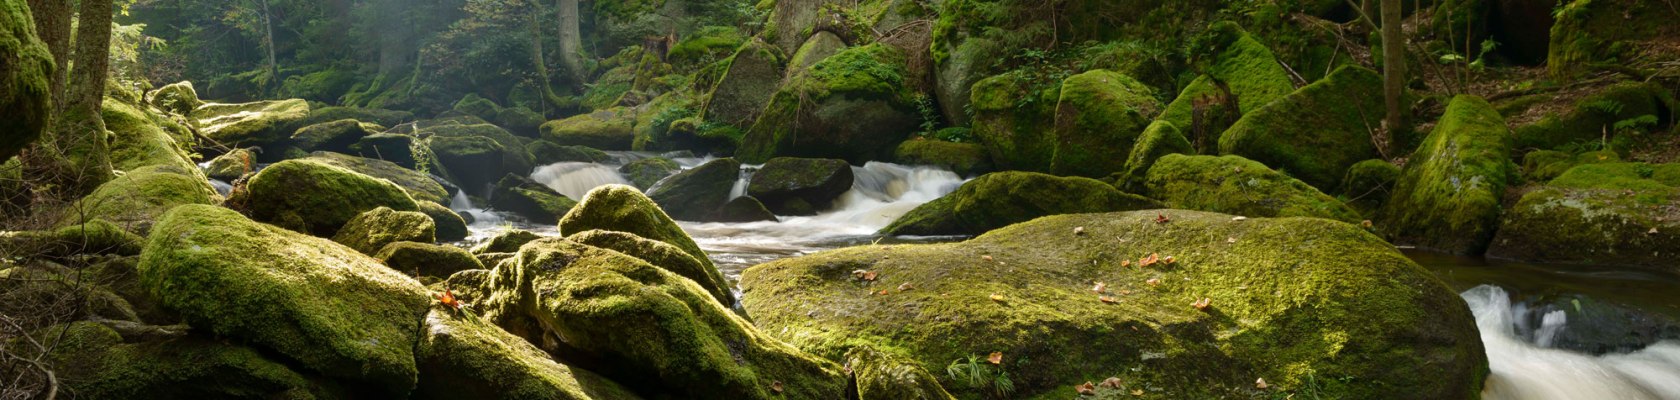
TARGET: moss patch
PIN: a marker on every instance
(1100, 114)
(662, 255)
(136, 199)
(623, 209)
(1448, 197)
(1240, 186)
(999, 199)
(856, 105)
(315, 197)
(606, 130)
(419, 185)
(965, 159)
(371, 231)
(262, 123)
(1599, 214)
(1315, 133)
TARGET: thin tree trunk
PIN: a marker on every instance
(52, 24)
(80, 132)
(268, 41)
(549, 96)
(571, 42)
(1394, 64)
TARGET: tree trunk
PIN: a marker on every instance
(81, 132)
(268, 41)
(571, 42)
(52, 24)
(1394, 65)
(541, 66)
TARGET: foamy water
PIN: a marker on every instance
(1525, 367)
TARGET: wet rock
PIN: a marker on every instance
(461, 356)
(605, 130)
(336, 136)
(623, 209)
(474, 161)
(263, 123)
(965, 159)
(662, 255)
(371, 231)
(1235, 185)
(231, 166)
(426, 259)
(746, 87)
(857, 105)
(800, 186)
(697, 194)
(644, 173)
(401, 149)
(178, 97)
(1447, 199)
(451, 227)
(744, 209)
(419, 185)
(530, 200)
(315, 197)
(546, 152)
(1316, 147)
(505, 242)
(1602, 214)
(135, 200)
(999, 199)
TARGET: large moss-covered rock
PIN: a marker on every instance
(515, 156)
(965, 159)
(1160, 139)
(1590, 117)
(623, 209)
(475, 162)
(1600, 214)
(262, 123)
(662, 255)
(178, 97)
(743, 91)
(232, 165)
(605, 130)
(1240, 186)
(1287, 300)
(1012, 118)
(1368, 184)
(1588, 32)
(136, 199)
(545, 152)
(885, 376)
(744, 209)
(696, 194)
(505, 242)
(820, 46)
(314, 197)
(389, 118)
(25, 69)
(530, 200)
(1546, 165)
(999, 199)
(426, 259)
(800, 186)
(401, 149)
(645, 323)
(94, 362)
(462, 356)
(450, 226)
(1315, 133)
(705, 45)
(644, 173)
(857, 105)
(335, 136)
(371, 231)
(1241, 65)
(1447, 199)
(95, 236)
(141, 138)
(1099, 115)
(323, 305)
(419, 185)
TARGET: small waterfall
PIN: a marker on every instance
(222, 187)
(575, 179)
(1524, 369)
(740, 188)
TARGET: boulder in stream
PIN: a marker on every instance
(315, 197)
(1236, 185)
(1447, 199)
(999, 199)
(800, 186)
(530, 200)
(371, 231)
(698, 193)
(263, 123)
(1604, 214)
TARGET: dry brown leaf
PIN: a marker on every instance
(883, 292)
(1153, 282)
(906, 286)
(986, 257)
(776, 386)
(1202, 304)
(1124, 292)
(1652, 232)
(1260, 383)
(1162, 219)
(1087, 389)
(996, 358)
(1100, 288)
(1112, 383)
(1148, 261)
(1230, 240)
(1125, 263)
(1239, 218)
(1108, 299)
(1169, 260)
(1365, 224)
(1137, 392)
(1079, 231)
(870, 276)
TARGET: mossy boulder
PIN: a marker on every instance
(389, 118)
(141, 138)
(605, 130)
(136, 199)
(1160, 139)
(178, 97)
(1369, 184)
(26, 67)
(857, 105)
(1587, 33)
(401, 149)
(1599, 214)
(419, 185)
(232, 165)
(697, 194)
(1447, 199)
(623, 209)
(426, 259)
(650, 325)
(662, 255)
(743, 91)
(744, 209)
(545, 152)
(820, 46)
(1013, 117)
(1319, 144)
(800, 186)
(705, 45)
(315, 197)
(1236, 185)
(475, 162)
(1545, 165)
(462, 356)
(965, 159)
(1000, 199)
(506, 242)
(1243, 73)
(520, 120)
(94, 362)
(644, 173)
(515, 156)
(1100, 114)
(95, 236)
(263, 123)
(450, 226)
(371, 231)
(530, 200)
(1287, 300)
(335, 136)
(1590, 117)
(333, 310)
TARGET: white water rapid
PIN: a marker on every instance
(575, 179)
(1525, 367)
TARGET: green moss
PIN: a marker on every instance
(96, 236)
(506, 242)
(709, 43)
(645, 323)
(529, 199)
(744, 209)
(886, 376)
(696, 194)
(262, 123)
(476, 106)
(605, 130)
(516, 159)
(450, 226)
(374, 115)
(371, 231)
(1589, 32)
(545, 152)
(316, 197)
(95, 363)
(1317, 146)
(336, 136)
(965, 159)
(138, 139)
(1597, 214)
(821, 46)
(1545, 165)
(463, 356)
(1289, 298)
(1590, 117)
(623, 209)
(475, 162)
(1160, 139)
(662, 255)
(326, 306)
(1368, 184)
(426, 259)
(419, 185)
(1012, 117)
(1241, 65)
(231, 166)
(856, 105)
(1235, 185)
(648, 171)
(742, 92)
(25, 69)
(136, 199)
(999, 199)
(1448, 197)
(1100, 113)
(178, 97)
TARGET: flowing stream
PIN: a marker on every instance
(1534, 350)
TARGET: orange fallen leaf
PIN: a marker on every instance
(1365, 224)
(1100, 288)
(996, 358)
(1148, 261)
(448, 300)
(1169, 260)
(883, 292)
(1162, 219)
(869, 276)
(1153, 282)
(858, 273)
(1087, 389)
(1108, 299)
(1201, 304)
(987, 258)
(1137, 392)
(906, 286)
(997, 297)
(1125, 263)
(1112, 383)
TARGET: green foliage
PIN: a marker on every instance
(929, 113)
(976, 373)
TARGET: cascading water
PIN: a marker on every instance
(1525, 367)
(575, 179)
